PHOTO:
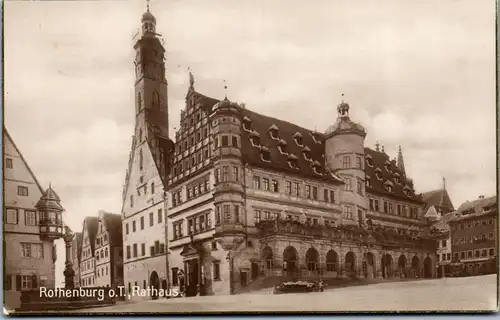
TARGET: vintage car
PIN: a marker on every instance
(299, 286)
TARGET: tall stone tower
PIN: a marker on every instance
(151, 94)
(345, 156)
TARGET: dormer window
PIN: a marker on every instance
(293, 161)
(397, 178)
(316, 137)
(316, 165)
(387, 165)
(265, 155)
(282, 146)
(273, 131)
(298, 139)
(369, 160)
(255, 138)
(247, 123)
(307, 153)
(388, 186)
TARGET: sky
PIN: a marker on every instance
(416, 73)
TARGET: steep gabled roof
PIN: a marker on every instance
(113, 224)
(260, 124)
(477, 205)
(127, 173)
(78, 241)
(439, 198)
(92, 224)
(379, 160)
(6, 133)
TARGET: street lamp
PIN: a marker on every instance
(68, 271)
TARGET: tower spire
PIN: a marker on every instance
(147, 5)
(225, 90)
(401, 163)
(444, 183)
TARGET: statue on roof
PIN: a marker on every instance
(191, 80)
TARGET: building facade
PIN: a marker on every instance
(474, 234)
(143, 210)
(439, 210)
(29, 230)
(76, 248)
(109, 251)
(87, 258)
(250, 196)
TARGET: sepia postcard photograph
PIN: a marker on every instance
(243, 157)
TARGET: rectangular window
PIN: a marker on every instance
(12, 216)
(135, 250)
(266, 184)
(296, 189)
(235, 141)
(257, 217)
(151, 219)
(128, 252)
(371, 204)
(160, 216)
(216, 269)
(236, 174)
(275, 186)
(225, 141)
(8, 163)
(26, 250)
(143, 249)
(126, 228)
(217, 175)
(332, 196)
(346, 162)
(30, 218)
(308, 191)
(399, 209)
(236, 214)
(325, 195)
(448, 255)
(26, 282)
(22, 191)
(217, 215)
(348, 186)
(288, 187)
(142, 223)
(131, 201)
(227, 212)
(225, 173)
(376, 205)
(348, 212)
(359, 163)
(390, 207)
(315, 193)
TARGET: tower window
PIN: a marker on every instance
(8, 163)
(346, 162)
(156, 100)
(139, 101)
(141, 160)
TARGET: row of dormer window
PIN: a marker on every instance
(401, 210)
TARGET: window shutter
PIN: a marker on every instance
(34, 285)
(18, 282)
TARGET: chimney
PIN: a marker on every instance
(481, 197)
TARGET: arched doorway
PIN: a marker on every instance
(290, 261)
(386, 263)
(312, 260)
(428, 267)
(154, 282)
(350, 263)
(332, 260)
(415, 267)
(402, 266)
(370, 266)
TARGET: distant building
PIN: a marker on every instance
(29, 230)
(474, 232)
(76, 248)
(109, 251)
(87, 258)
(439, 210)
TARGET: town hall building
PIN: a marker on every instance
(237, 196)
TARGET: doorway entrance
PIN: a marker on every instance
(255, 270)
